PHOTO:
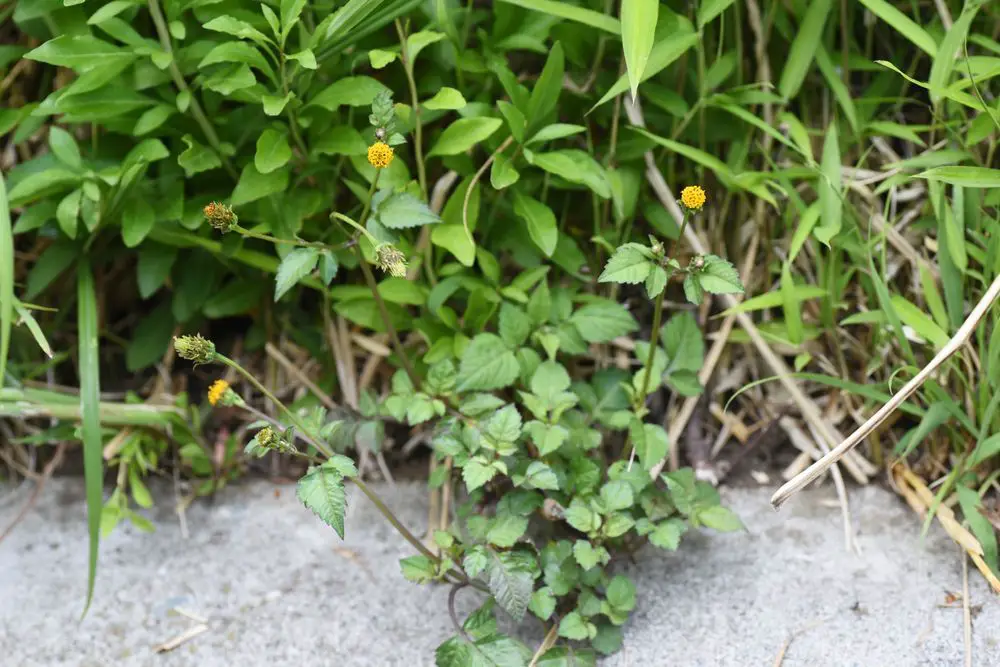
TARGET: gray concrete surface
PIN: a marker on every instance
(278, 588)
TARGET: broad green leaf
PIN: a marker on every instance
(237, 52)
(296, 265)
(41, 184)
(510, 581)
(341, 140)
(617, 495)
(682, 341)
(629, 264)
(575, 166)
(650, 441)
(486, 364)
(452, 237)
(322, 491)
(254, 185)
(667, 534)
(919, 321)
(274, 105)
(603, 320)
(803, 48)
(621, 593)
(565, 10)
(720, 518)
(306, 58)
(418, 41)
(78, 52)
(272, 152)
(719, 276)
(828, 185)
(638, 24)
(446, 99)
(476, 473)
(967, 177)
(575, 626)
(196, 158)
(237, 28)
(138, 218)
(555, 131)
(353, 91)
(902, 24)
(502, 173)
(402, 210)
(541, 222)
(64, 147)
(463, 134)
(229, 78)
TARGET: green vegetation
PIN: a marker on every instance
(503, 230)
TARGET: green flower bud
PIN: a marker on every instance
(195, 348)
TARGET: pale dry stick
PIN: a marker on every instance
(296, 372)
(185, 636)
(550, 640)
(679, 423)
(808, 408)
(960, 338)
(966, 611)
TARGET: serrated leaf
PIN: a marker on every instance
(296, 265)
(476, 474)
(487, 363)
(602, 321)
(629, 264)
(510, 582)
(402, 210)
(667, 534)
(719, 276)
(322, 491)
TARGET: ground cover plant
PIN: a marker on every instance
(515, 235)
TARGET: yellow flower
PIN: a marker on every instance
(380, 155)
(217, 391)
(693, 197)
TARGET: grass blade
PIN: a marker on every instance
(902, 24)
(6, 280)
(90, 394)
(564, 10)
(830, 204)
(944, 59)
(800, 56)
(638, 19)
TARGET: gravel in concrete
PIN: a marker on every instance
(276, 587)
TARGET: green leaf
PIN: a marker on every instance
(6, 280)
(64, 147)
(585, 554)
(580, 516)
(966, 177)
(228, 79)
(515, 325)
(452, 237)
(549, 380)
(151, 339)
(541, 222)
(620, 593)
(463, 134)
(505, 424)
(540, 476)
(502, 173)
(602, 321)
(41, 184)
(152, 119)
(506, 530)
(418, 41)
(902, 24)
(543, 603)
(664, 53)
(138, 218)
(545, 94)
(446, 99)
(322, 491)
(274, 105)
(353, 91)
(720, 518)
(709, 9)
(379, 58)
(254, 185)
(617, 495)
(555, 131)
(719, 276)
(402, 210)
(68, 213)
(574, 626)
(196, 158)
(650, 441)
(296, 265)
(510, 581)
(972, 508)
(476, 474)
(800, 56)
(629, 264)
(237, 52)
(237, 28)
(273, 151)
(90, 411)
(682, 342)
(79, 52)
(487, 363)
(638, 21)
(828, 186)
(565, 10)
(341, 140)
(944, 60)
(575, 166)
(418, 569)
(667, 534)
(306, 58)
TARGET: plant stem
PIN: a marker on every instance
(298, 242)
(161, 30)
(654, 341)
(384, 312)
(417, 123)
(391, 518)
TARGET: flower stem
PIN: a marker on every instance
(384, 312)
(417, 123)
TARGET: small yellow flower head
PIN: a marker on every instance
(220, 393)
(220, 216)
(390, 260)
(693, 197)
(266, 437)
(380, 155)
(195, 348)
